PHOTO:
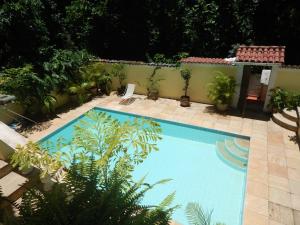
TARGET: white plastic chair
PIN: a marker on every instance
(129, 93)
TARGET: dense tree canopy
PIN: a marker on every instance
(30, 30)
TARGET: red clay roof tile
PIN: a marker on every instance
(261, 54)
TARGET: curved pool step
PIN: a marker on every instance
(290, 114)
(284, 122)
(228, 158)
(235, 151)
(242, 144)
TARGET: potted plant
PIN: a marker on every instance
(186, 76)
(279, 99)
(80, 92)
(23, 162)
(153, 85)
(221, 90)
(31, 155)
(118, 72)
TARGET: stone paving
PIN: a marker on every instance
(273, 180)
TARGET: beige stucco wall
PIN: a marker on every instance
(288, 79)
(7, 117)
(172, 84)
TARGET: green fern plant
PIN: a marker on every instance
(87, 196)
(197, 216)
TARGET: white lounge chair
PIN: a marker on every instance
(128, 94)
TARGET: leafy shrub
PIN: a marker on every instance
(64, 67)
(197, 216)
(32, 155)
(293, 101)
(96, 73)
(222, 89)
(281, 99)
(28, 88)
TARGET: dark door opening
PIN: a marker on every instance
(254, 88)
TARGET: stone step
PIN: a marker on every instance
(5, 168)
(284, 122)
(234, 151)
(13, 186)
(290, 114)
(242, 144)
(229, 159)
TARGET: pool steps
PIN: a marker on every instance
(234, 152)
(286, 119)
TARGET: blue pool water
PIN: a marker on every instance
(187, 155)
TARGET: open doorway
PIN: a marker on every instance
(254, 89)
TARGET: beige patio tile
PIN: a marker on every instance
(256, 204)
(257, 189)
(257, 175)
(295, 202)
(273, 222)
(292, 153)
(280, 197)
(279, 183)
(296, 217)
(280, 214)
(294, 187)
(253, 218)
(258, 164)
(293, 163)
(277, 159)
(258, 153)
(294, 174)
(277, 170)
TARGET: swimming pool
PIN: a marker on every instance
(206, 166)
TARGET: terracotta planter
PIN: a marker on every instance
(222, 107)
(153, 94)
(185, 101)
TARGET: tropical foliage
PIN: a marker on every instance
(31, 30)
(197, 216)
(113, 144)
(30, 90)
(222, 88)
(31, 155)
(281, 98)
(86, 196)
(63, 67)
(98, 187)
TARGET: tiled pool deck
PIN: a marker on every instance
(273, 180)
